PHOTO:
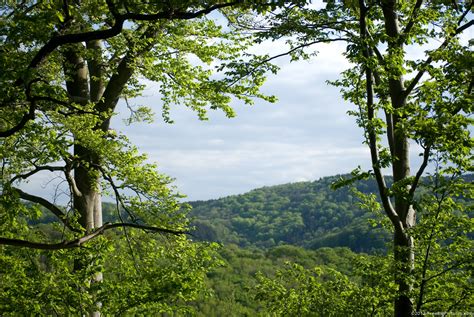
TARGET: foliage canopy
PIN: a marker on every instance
(424, 102)
(65, 66)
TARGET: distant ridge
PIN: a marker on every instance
(307, 214)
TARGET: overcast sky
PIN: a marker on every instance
(305, 135)
(302, 137)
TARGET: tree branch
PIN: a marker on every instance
(419, 173)
(48, 205)
(448, 269)
(411, 23)
(82, 240)
(466, 12)
(71, 182)
(382, 95)
(428, 61)
(96, 70)
(30, 115)
(117, 27)
(124, 72)
(255, 66)
(389, 210)
(424, 269)
(118, 197)
(36, 170)
(465, 294)
(177, 15)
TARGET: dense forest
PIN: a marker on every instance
(258, 236)
(311, 224)
(306, 214)
(243, 256)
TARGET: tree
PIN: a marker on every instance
(65, 66)
(423, 102)
(323, 291)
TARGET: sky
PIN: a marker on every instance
(305, 135)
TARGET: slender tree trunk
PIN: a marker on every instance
(87, 200)
(403, 244)
(97, 87)
(87, 83)
(404, 259)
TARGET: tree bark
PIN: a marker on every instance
(86, 83)
(87, 200)
(97, 87)
(404, 259)
(403, 243)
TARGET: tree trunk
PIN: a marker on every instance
(403, 244)
(404, 259)
(87, 83)
(88, 204)
(87, 200)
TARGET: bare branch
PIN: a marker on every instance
(466, 12)
(82, 240)
(464, 27)
(118, 197)
(419, 173)
(70, 180)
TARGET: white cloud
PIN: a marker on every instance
(305, 135)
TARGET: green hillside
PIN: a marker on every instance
(269, 230)
(307, 214)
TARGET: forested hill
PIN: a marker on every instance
(307, 214)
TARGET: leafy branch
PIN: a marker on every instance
(79, 242)
(48, 205)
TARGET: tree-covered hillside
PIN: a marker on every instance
(307, 214)
(246, 279)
